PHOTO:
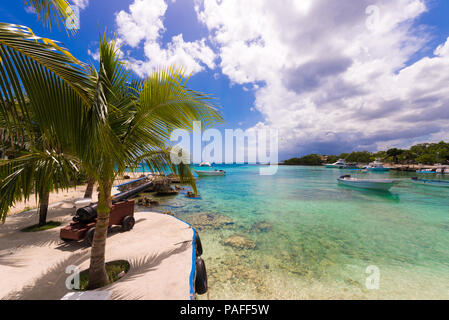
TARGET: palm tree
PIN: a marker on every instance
(36, 166)
(23, 53)
(89, 188)
(127, 121)
(105, 120)
(139, 117)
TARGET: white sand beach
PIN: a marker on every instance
(33, 265)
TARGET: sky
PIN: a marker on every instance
(330, 76)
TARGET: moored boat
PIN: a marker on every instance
(377, 166)
(341, 163)
(425, 171)
(204, 173)
(372, 184)
(205, 164)
(433, 183)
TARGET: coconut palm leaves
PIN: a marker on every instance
(47, 10)
(37, 75)
(140, 118)
(102, 119)
(24, 58)
(35, 172)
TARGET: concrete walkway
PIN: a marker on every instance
(159, 249)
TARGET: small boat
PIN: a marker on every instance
(433, 183)
(425, 171)
(341, 163)
(373, 184)
(204, 173)
(205, 164)
(377, 166)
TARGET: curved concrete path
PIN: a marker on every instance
(159, 249)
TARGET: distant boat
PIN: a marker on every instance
(204, 173)
(377, 166)
(341, 163)
(372, 184)
(442, 170)
(205, 164)
(433, 183)
(425, 171)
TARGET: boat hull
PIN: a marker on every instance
(371, 185)
(210, 173)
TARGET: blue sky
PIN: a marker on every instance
(323, 74)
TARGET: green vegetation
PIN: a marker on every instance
(425, 153)
(113, 269)
(359, 156)
(37, 227)
(309, 160)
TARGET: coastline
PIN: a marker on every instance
(312, 239)
(395, 167)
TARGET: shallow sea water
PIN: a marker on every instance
(323, 236)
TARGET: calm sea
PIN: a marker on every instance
(321, 240)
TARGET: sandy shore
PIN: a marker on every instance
(159, 250)
(65, 195)
(33, 265)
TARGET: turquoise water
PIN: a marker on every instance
(322, 236)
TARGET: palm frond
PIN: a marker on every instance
(49, 10)
(21, 54)
(33, 172)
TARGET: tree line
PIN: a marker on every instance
(423, 153)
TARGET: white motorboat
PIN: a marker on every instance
(377, 166)
(208, 173)
(341, 163)
(373, 184)
(432, 183)
(205, 164)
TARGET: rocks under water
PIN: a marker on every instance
(262, 227)
(208, 221)
(239, 242)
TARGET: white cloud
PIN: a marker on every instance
(143, 23)
(82, 4)
(94, 54)
(326, 80)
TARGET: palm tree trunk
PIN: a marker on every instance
(89, 188)
(43, 207)
(97, 272)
